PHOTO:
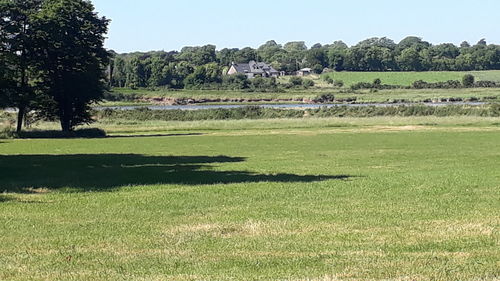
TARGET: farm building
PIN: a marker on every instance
(304, 72)
(253, 69)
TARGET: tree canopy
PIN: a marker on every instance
(52, 58)
(171, 69)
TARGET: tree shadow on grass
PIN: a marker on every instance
(154, 135)
(107, 172)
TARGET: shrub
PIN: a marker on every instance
(468, 80)
(318, 68)
(296, 81)
(235, 82)
(338, 83)
(328, 79)
(325, 98)
(450, 84)
(307, 83)
(7, 133)
(487, 84)
(361, 85)
(116, 96)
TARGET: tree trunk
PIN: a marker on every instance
(20, 117)
(66, 124)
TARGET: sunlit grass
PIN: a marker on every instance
(315, 199)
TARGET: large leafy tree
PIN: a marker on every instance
(73, 59)
(18, 54)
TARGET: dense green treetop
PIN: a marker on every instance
(373, 54)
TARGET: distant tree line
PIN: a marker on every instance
(52, 59)
(197, 66)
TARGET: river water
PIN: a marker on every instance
(277, 106)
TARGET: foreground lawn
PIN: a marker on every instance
(414, 199)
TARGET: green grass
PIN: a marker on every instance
(407, 78)
(317, 199)
(364, 96)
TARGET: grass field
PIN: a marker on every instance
(366, 96)
(318, 199)
(407, 78)
(349, 78)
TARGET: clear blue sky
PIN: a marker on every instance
(145, 25)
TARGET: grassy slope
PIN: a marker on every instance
(418, 203)
(406, 78)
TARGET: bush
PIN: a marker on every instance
(361, 85)
(235, 82)
(116, 96)
(307, 83)
(468, 80)
(296, 81)
(7, 133)
(328, 79)
(324, 98)
(450, 84)
(486, 84)
(338, 83)
(318, 68)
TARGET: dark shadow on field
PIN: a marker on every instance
(155, 135)
(107, 172)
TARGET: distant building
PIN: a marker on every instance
(304, 72)
(253, 69)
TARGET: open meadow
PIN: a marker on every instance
(407, 78)
(393, 198)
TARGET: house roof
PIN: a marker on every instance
(254, 67)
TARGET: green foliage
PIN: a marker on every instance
(296, 81)
(308, 83)
(170, 69)
(468, 80)
(450, 84)
(317, 68)
(325, 98)
(73, 59)
(328, 79)
(263, 84)
(7, 133)
(338, 83)
(18, 55)
(55, 51)
(203, 75)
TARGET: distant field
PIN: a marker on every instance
(409, 95)
(407, 78)
(349, 78)
(325, 199)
